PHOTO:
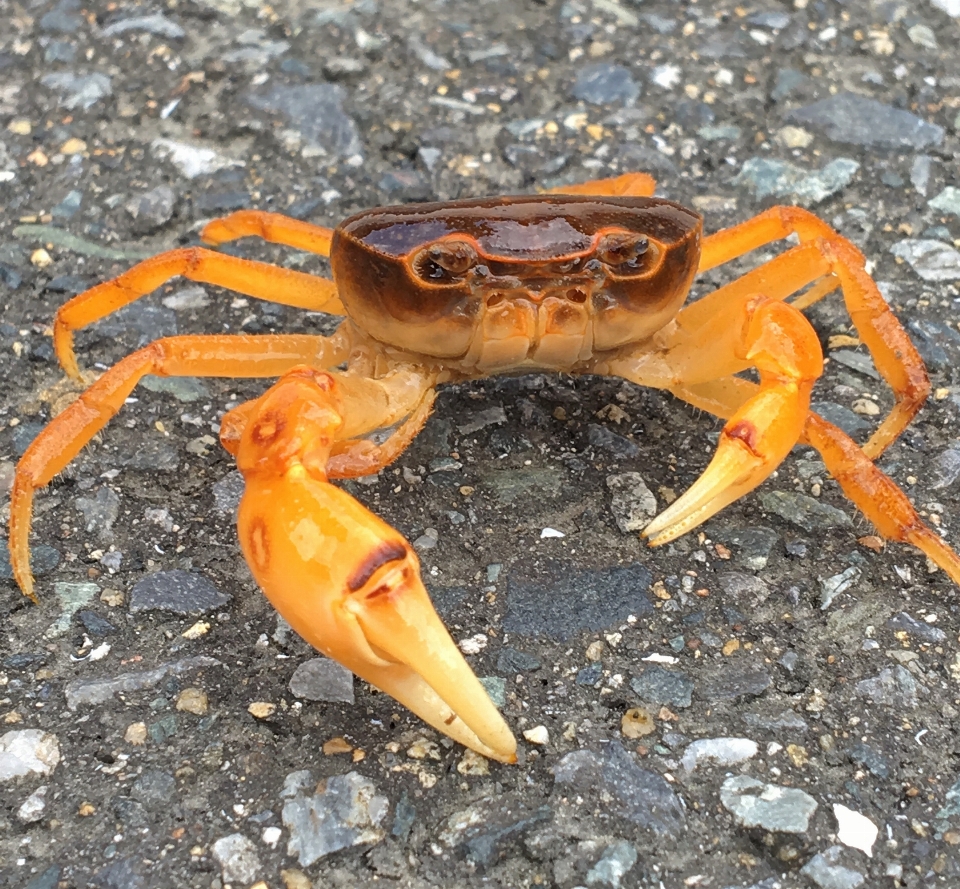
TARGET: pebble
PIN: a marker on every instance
(657, 685)
(916, 628)
(774, 808)
(28, 751)
(632, 503)
(99, 511)
(192, 160)
(95, 625)
(613, 865)
(825, 870)
(78, 90)
(151, 209)
(193, 296)
(629, 791)
(316, 111)
(766, 177)
(537, 735)
(346, 811)
(238, 859)
(893, 687)
(610, 443)
(733, 682)
(90, 692)
(593, 600)
(154, 788)
(322, 679)
(637, 722)
(855, 830)
(484, 831)
(948, 201)
(493, 416)
(43, 560)
(72, 597)
(861, 362)
(186, 390)
(32, 808)
(511, 661)
(603, 83)
(944, 469)
(849, 421)
(931, 260)
(157, 24)
(745, 589)
(180, 592)
(858, 120)
(831, 587)
(863, 754)
(228, 491)
(722, 751)
(589, 675)
(803, 511)
(193, 700)
(67, 208)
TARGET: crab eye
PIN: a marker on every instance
(445, 261)
(624, 253)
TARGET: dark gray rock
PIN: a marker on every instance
(485, 831)
(627, 790)
(47, 880)
(863, 754)
(511, 661)
(124, 873)
(157, 24)
(63, 19)
(559, 601)
(733, 682)
(81, 91)
(154, 788)
(95, 625)
(152, 455)
(937, 343)
(408, 185)
(787, 82)
(804, 512)
(90, 692)
(610, 443)
(71, 284)
(322, 679)
(861, 362)
(99, 511)
(658, 685)
(316, 110)
(825, 870)
(851, 423)
(745, 589)
(151, 209)
(892, 687)
(945, 469)
(603, 83)
(847, 117)
(918, 629)
(68, 207)
(589, 675)
(217, 202)
(178, 591)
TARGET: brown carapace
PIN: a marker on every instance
(591, 280)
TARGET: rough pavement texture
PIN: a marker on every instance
(149, 734)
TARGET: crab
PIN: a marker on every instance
(587, 279)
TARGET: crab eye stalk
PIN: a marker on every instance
(444, 261)
(625, 253)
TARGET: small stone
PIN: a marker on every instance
(151, 209)
(657, 685)
(805, 512)
(180, 592)
(767, 177)
(610, 443)
(855, 830)
(893, 687)
(847, 117)
(262, 709)
(78, 90)
(472, 763)
(346, 811)
(32, 808)
(193, 700)
(825, 870)
(495, 688)
(637, 723)
(237, 857)
(733, 682)
(136, 733)
(512, 661)
(336, 746)
(537, 735)
(68, 207)
(794, 137)
(931, 260)
(192, 160)
(99, 511)
(28, 752)
(903, 622)
(322, 679)
(603, 83)
(95, 625)
(615, 863)
(493, 416)
(945, 469)
(948, 201)
(86, 692)
(722, 751)
(745, 589)
(192, 296)
(633, 503)
(157, 24)
(154, 788)
(774, 808)
(589, 675)
(831, 587)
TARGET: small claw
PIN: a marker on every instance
(752, 444)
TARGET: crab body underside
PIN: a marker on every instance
(591, 280)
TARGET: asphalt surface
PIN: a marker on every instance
(770, 702)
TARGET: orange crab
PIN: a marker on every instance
(589, 279)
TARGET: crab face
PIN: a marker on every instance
(498, 284)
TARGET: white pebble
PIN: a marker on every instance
(855, 830)
(551, 532)
(537, 735)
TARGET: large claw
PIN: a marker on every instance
(346, 581)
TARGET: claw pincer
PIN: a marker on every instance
(346, 581)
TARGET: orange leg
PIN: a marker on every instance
(257, 279)
(875, 494)
(750, 331)
(273, 227)
(69, 431)
(344, 579)
(627, 185)
(895, 356)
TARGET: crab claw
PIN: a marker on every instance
(350, 584)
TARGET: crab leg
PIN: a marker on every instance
(69, 431)
(629, 184)
(823, 252)
(272, 227)
(257, 279)
(346, 581)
